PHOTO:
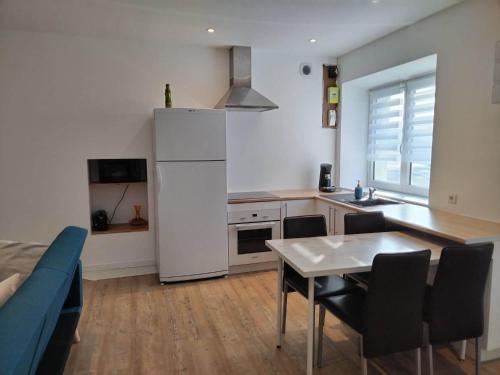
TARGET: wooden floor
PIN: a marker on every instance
(223, 326)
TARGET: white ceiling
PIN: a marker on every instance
(286, 25)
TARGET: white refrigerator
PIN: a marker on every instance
(191, 193)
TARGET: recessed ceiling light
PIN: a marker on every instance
(211, 30)
(312, 40)
(375, 1)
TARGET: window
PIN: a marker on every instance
(400, 130)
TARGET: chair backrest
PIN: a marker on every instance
(455, 303)
(393, 319)
(364, 222)
(300, 227)
(304, 226)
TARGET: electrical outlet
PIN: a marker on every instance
(452, 199)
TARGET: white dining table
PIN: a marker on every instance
(322, 256)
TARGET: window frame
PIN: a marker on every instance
(404, 185)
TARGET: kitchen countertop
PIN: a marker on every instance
(285, 195)
(455, 227)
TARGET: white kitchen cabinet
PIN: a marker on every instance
(297, 207)
(339, 219)
(328, 211)
(334, 216)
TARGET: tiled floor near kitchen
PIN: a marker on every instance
(224, 326)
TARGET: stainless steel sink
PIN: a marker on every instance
(364, 202)
(372, 202)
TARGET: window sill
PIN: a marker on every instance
(408, 198)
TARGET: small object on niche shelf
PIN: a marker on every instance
(333, 95)
(332, 117)
(138, 220)
(100, 220)
(168, 96)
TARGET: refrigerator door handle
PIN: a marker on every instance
(252, 226)
(159, 179)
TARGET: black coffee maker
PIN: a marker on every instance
(325, 178)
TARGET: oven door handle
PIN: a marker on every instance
(250, 226)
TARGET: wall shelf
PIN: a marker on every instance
(329, 82)
(118, 199)
(122, 228)
(118, 183)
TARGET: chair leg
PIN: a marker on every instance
(320, 335)
(285, 302)
(364, 362)
(431, 361)
(478, 357)
(463, 350)
(76, 337)
(419, 361)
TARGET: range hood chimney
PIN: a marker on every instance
(241, 96)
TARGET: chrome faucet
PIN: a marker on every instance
(371, 191)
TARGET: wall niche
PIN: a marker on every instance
(118, 192)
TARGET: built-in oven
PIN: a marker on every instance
(249, 226)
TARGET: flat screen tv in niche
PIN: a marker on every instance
(117, 170)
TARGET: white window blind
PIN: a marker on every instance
(400, 130)
(419, 120)
(386, 123)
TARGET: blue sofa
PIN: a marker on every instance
(38, 323)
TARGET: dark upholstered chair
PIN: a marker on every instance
(363, 222)
(309, 226)
(389, 315)
(454, 306)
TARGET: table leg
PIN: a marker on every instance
(279, 307)
(310, 327)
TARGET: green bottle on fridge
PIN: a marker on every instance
(168, 96)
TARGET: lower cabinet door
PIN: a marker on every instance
(328, 211)
(339, 219)
(298, 207)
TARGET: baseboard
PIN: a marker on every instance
(486, 355)
(489, 355)
(114, 270)
(200, 276)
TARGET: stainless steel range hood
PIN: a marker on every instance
(241, 96)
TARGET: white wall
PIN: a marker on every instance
(466, 152)
(280, 149)
(67, 98)
(354, 136)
